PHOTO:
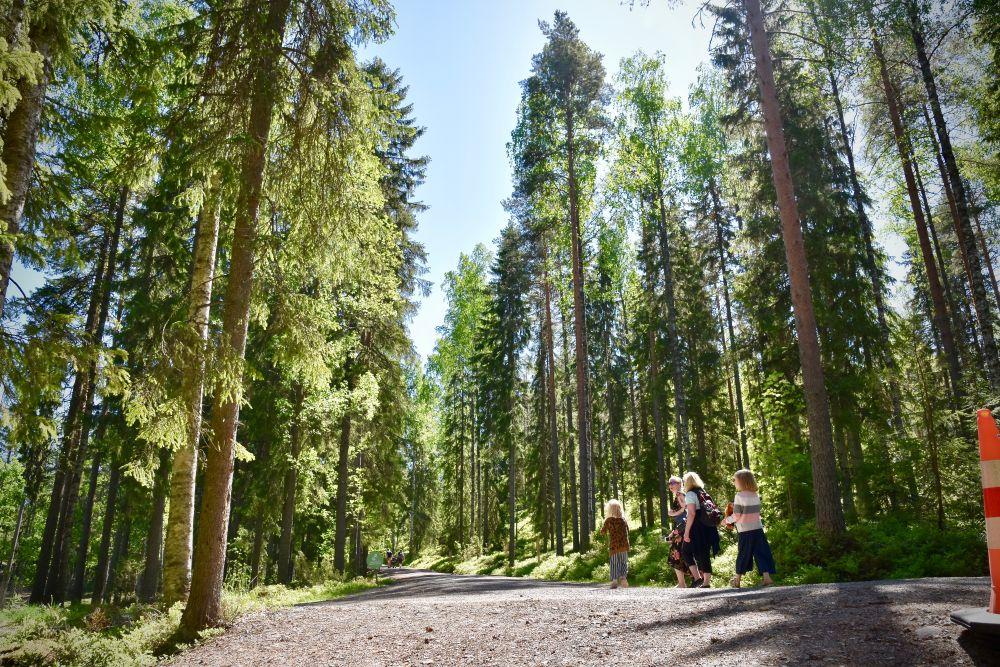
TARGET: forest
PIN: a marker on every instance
(213, 388)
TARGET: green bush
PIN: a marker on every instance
(882, 549)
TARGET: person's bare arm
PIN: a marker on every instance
(691, 509)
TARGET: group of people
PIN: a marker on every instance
(694, 538)
(393, 559)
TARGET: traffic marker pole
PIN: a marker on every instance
(988, 620)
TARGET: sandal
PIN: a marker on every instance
(733, 583)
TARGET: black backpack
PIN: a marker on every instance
(709, 513)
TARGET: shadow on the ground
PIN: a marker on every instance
(871, 625)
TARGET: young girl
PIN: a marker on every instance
(753, 544)
(616, 528)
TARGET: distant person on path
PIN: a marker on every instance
(753, 544)
(616, 528)
(701, 532)
(676, 537)
(388, 557)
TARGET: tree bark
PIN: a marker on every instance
(104, 550)
(662, 462)
(80, 572)
(48, 551)
(18, 154)
(574, 508)
(204, 608)
(58, 581)
(963, 226)
(580, 332)
(285, 560)
(461, 465)
(119, 553)
(934, 283)
(633, 418)
(829, 514)
(149, 581)
(511, 475)
(256, 552)
(343, 476)
(552, 405)
(180, 520)
(724, 272)
(680, 400)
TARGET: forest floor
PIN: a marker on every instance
(426, 618)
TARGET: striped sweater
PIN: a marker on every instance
(746, 512)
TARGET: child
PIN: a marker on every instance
(752, 540)
(616, 528)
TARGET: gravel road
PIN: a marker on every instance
(425, 618)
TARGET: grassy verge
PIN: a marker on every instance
(885, 549)
(109, 636)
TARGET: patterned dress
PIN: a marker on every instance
(676, 539)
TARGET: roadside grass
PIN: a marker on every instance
(136, 634)
(883, 549)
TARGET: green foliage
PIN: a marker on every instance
(135, 635)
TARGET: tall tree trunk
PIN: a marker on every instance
(58, 579)
(343, 476)
(662, 463)
(724, 271)
(20, 137)
(149, 581)
(829, 514)
(868, 238)
(963, 226)
(285, 560)
(633, 418)
(511, 475)
(14, 545)
(934, 283)
(927, 412)
(552, 405)
(48, 551)
(256, 551)
(580, 332)
(574, 508)
(104, 550)
(472, 468)
(119, 553)
(461, 467)
(676, 361)
(986, 256)
(180, 521)
(80, 572)
(204, 606)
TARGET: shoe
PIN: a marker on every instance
(705, 584)
(733, 583)
(696, 583)
(614, 585)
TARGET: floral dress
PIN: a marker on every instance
(676, 539)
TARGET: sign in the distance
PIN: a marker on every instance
(375, 561)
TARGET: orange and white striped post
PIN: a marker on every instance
(989, 463)
(988, 620)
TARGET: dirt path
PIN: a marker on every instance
(425, 618)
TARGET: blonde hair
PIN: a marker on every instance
(745, 481)
(614, 509)
(674, 479)
(692, 481)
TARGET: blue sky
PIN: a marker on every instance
(463, 61)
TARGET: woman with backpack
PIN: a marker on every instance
(701, 532)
